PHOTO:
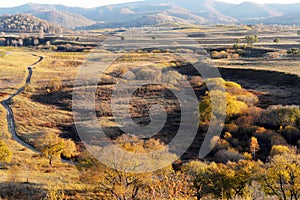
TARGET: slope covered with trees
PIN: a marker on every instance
(26, 24)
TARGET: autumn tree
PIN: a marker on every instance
(224, 102)
(293, 51)
(5, 153)
(278, 115)
(53, 146)
(251, 39)
(197, 173)
(55, 85)
(237, 43)
(254, 146)
(279, 150)
(120, 183)
(222, 181)
(281, 177)
(276, 40)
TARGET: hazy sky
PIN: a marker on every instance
(94, 3)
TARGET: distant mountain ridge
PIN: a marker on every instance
(156, 12)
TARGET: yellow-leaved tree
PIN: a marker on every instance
(52, 146)
(281, 176)
(119, 183)
(254, 146)
(5, 153)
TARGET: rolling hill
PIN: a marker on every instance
(24, 23)
(288, 19)
(161, 12)
(248, 10)
(59, 15)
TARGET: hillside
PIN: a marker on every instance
(65, 19)
(161, 19)
(59, 15)
(136, 14)
(26, 24)
(248, 10)
(288, 19)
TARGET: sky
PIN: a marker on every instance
(95, 3)
(263, 1)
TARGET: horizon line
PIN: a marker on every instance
(110, 4)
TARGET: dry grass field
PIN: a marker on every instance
(29, 175)
(46, 104)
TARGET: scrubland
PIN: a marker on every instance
(255, 157)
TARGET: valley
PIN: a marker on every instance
(188, 101)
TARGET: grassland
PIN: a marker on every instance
(29, 173)
(40, 109)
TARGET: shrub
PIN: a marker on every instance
(148, 74)
(230, 84)
(223, 156)
(245, 121)
(55, 85)
(172, 77)
(248, 130)
(196, 81)
(52, 146)
(293, 52)
(277, 139)
(241, 94)
(234, 55)
(276, 116)
(248, 98)
(231, 127)
(279, 150)
(254, 112)
(5, 153)
(276, 40)
(291, 134)
(265, 139)
(219, 55)
(215, 83)
(234, 106)
(205, 106)
(281, 176)
(217, 143)
(156, 51)
(251, 39)
(236, 46)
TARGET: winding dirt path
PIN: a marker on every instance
(9, 113)
(10, 116)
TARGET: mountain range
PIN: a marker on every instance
(161, 12)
